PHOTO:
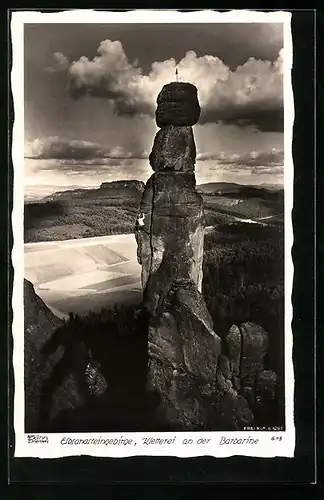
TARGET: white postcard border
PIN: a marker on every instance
(216, 444)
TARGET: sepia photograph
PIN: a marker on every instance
(153, 184)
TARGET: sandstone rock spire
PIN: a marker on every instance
(200, 386)
(183, 348)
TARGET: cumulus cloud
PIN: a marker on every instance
(71, 152)
(93, 163)
(252, 94)
(60, 63)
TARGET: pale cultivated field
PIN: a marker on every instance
(86, 274)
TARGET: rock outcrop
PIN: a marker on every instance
(183, 347)
(241, 372)
(40, 324)
(59, 373)
(37, 316)
(203, 382)
(177, 105)
(173, 150)
(127, 184)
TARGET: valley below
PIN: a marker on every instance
(86, 274)
(80, 249)
(80, 259)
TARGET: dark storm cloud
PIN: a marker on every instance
(263, 119)
(233, 43)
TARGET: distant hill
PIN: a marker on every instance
(133, 184)
(232, 187)
(278, 187)
(230, 201)
(211, 187)
(263, 191)
(134, 188)
(113, 208)
(113, 189)
(84, 213)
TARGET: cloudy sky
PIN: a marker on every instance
(90, 97)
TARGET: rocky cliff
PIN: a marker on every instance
(58, 372)
(203, 381)
(40, 325)
(126, 184)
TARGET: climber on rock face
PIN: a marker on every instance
(140, 233)
(140, 220)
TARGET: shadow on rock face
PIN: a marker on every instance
(114, 412)
(109, 396)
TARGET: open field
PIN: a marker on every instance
(85, 274)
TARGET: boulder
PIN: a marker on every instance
(246, 346)
(177, 105)
(164, 343)
(173, 149)
(233, 342)
(177, 113)
(231, 411)
(95, 382)
(183, 353)
(178, 92)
